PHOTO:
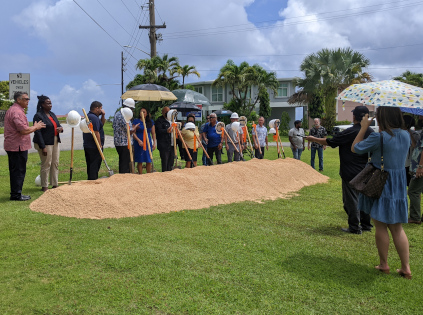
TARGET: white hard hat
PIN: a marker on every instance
(172, 114)
(129, 102)
(235, 125)
(38, 180)
(190, 126)
(84, 127)
(127, 114)
(272, 131)
(73, 119)
(234, 116)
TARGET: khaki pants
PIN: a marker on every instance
(49, 164)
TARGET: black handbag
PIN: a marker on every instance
(371, 180)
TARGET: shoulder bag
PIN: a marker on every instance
(371, 180)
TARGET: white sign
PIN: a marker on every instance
(18, 82)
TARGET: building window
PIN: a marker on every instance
(217, 94)
(282, 90)
(198, 89)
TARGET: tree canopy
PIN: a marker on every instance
(157, 70)
(5, 103)
(412, 78)
(330, 71)
(185, 71)
(240, 80)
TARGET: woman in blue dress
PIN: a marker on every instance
(141, 155)
(391, 209)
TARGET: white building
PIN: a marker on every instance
(278, 101)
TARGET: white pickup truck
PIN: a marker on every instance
(340, 128)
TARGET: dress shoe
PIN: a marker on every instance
(414, 221)
(21, 198)
(347, 230)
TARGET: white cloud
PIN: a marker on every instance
(69, 48)
(71, 98)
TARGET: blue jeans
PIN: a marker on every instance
(204, 158)
(297, 153)
(313, 156)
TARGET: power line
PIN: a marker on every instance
(159, 15)
(292, 23)
(129, 10)
(97, 24)
(289, 55)
(113, 18)
(290, 18)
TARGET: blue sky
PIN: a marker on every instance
(73, 61)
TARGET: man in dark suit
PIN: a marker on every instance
(350, 165)
(165, 141)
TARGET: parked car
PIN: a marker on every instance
(340, 128)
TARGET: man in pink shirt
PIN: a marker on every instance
(17, 142)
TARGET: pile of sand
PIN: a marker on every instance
(130, 195)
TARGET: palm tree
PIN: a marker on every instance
(241, 78)
(412, 78)
(186, 71)
(332, 71)
(149, 66)
(236, 77)
(166, 64)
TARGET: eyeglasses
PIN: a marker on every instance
(213, 117)
(25, 99)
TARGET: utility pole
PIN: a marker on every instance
(152, 27)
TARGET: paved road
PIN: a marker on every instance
(66, 138)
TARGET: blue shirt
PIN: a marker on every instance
(212, 135)
(97, 126)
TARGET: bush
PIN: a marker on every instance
(284, 126)
(5, 103)
(328, 123)
(342, 122)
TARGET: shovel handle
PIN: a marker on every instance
(148, 140)
(227, 134)
(131, 156)
(183, 141)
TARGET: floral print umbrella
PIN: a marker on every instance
(386, 93)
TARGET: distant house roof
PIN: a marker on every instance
(211, 81)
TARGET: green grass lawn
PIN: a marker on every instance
(286, 256)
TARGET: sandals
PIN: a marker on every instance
(384, 270)
(404, 275)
